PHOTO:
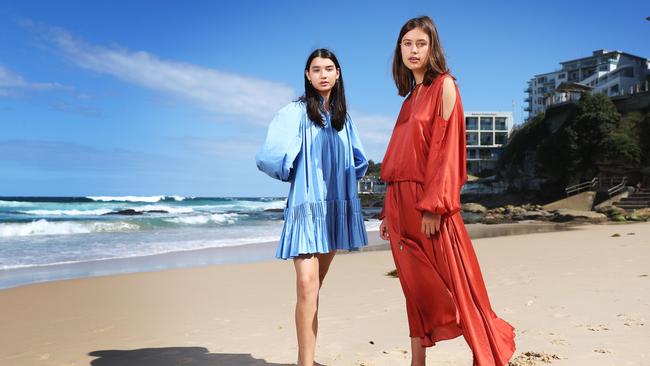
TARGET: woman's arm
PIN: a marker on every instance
(445, 173)
(448, 97)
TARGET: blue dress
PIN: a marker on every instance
(323, 210)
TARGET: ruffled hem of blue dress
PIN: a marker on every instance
(320, 227)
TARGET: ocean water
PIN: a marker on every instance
(47, 231)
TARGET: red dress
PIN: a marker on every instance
(424, 167)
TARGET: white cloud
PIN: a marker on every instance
(217, 91)
(10, 83)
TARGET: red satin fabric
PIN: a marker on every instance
(440, 276)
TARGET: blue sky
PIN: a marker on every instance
(173, 98)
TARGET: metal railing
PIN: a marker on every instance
(581, 186)
(617, 188)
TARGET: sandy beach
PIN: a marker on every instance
(578, 297)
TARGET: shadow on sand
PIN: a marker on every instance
(175, 356)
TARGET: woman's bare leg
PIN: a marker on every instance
(418, 353)
(310, 274)
(324, 261)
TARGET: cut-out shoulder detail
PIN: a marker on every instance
(448, 97)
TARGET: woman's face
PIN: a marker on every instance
(322, 74)
(415, 49)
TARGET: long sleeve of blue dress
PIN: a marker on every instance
(282, 145)
(360, 160)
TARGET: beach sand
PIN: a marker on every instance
(582, 295)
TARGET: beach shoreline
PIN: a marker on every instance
(246, 253)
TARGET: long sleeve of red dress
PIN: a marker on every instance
(445, 167)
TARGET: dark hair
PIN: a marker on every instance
(437, 64)
(312, 98)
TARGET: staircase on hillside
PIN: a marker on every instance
(635, 200)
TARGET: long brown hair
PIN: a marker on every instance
(436, 65)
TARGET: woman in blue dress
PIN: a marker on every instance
(314, 144)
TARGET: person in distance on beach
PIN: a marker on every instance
(424, 168)
(314, 144)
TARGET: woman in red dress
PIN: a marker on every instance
(424, 168)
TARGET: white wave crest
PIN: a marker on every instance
(15, 204)
(228, 218)
(175, 210)
(96, 212)
(44, 227)
(179, 198)
(151, 199)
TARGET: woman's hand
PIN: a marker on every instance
(383, 230)
(430, 224)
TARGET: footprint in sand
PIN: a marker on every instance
(396, 351)
(533, 359)
(597, 328)
(44, 357)
(560, 342)
(631, 320)
(602, 350)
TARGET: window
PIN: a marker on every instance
(471, 123)
(628, 72)
(500, 123)
(487, 138)
(472, 138)
(500, 138)
(471, 154)
(485, 154)
(613, 90)
(561, 76)
(588, 73)
(487, 123)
